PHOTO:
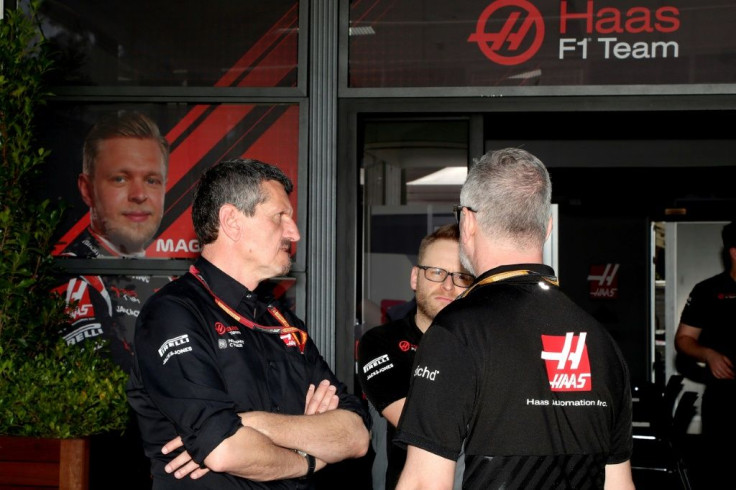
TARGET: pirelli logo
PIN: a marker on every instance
(375, 363)
(171, 343)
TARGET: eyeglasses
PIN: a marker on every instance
(458, 210)
(435, 274)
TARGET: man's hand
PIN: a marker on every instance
(321, 399)
(719, 365)
(183, 464)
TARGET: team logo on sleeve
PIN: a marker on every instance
(566, 359)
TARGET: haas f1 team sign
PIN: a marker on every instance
(522, 31)
(504, 43)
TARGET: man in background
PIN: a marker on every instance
(707, 334)
(123, 181)
(533, 387)
(227, 373)
(386, 352)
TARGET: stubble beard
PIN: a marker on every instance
(425, 306)
(286, 248)
(129, 240)
(286, 267)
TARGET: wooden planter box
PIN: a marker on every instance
(35, 463)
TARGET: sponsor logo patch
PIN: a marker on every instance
(127, 311)
(222, 329)
(374, 363)
(405, 346)
(88, 331)
(425, 372)
(126, 294)
(567, 363)
(377, 366)
(288, 340)
(174, 347)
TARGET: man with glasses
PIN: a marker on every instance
(386, 352)
(532, 388)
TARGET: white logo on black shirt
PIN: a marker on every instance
(374, 363)
(423, 372)
(174, 342)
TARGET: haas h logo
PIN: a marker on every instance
(603, 280)
(567, 362)
(520, 36)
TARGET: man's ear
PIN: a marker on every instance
(549, 228)
(468, 230)
(413, 278)
(468, 226)
(230, 221)
(84, 184)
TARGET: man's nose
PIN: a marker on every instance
(447, 283)
(292, 231)
(137, 192)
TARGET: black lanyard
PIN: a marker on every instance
(298, 335)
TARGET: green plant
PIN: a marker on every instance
(61, 392)
(47, 389)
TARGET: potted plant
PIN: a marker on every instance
(51, 395)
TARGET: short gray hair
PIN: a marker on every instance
(237, 182)
(511, 191)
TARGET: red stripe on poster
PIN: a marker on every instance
(203, 138)
(279, 145)
(247, 61)
(272, 76)
(71, 234)
(355, 6)
(185, 122)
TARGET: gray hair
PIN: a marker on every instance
(511, 191)
(237, 182)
